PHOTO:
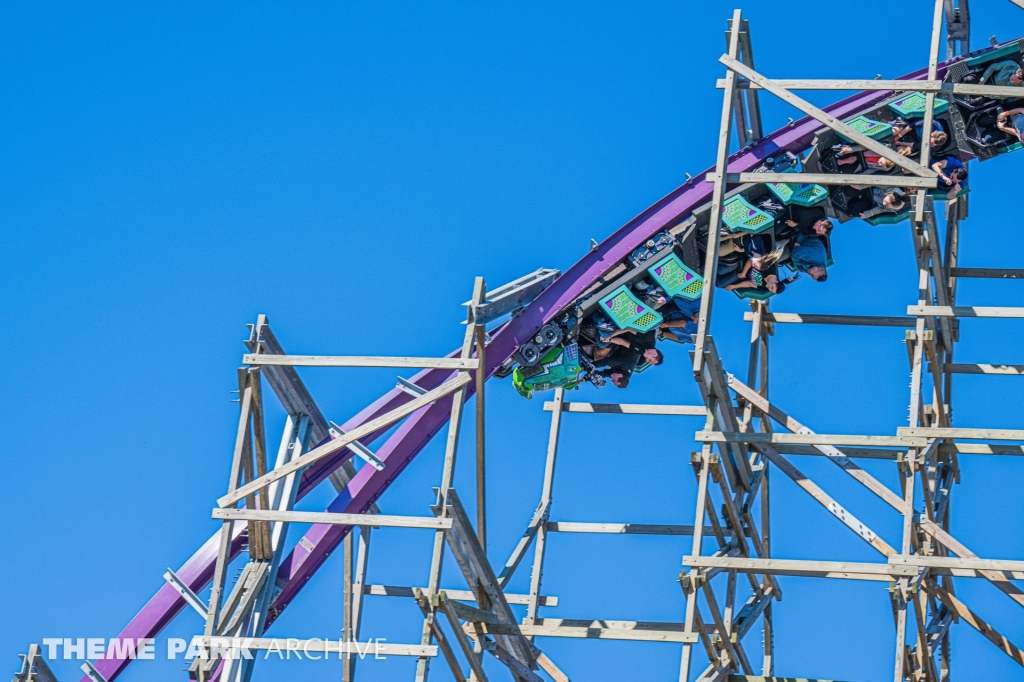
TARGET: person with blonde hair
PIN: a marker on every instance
(847, 156)
(759, 271)
(937, 138)
(887, 200)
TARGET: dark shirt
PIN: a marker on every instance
(624, 360)
(805, 217)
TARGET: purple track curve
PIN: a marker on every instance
(298, 567)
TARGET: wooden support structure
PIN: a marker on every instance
(826, 179)
(717, 199)
(740, 455)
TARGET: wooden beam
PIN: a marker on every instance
(891, 454)
(624, 528)
(969, 566)
(965, 614)
(358, 361)
(540, 516)
(971, 434)
(964, 311)
(295, 397)
(904, 440)
(757, 678)
(923, 86)
(447, 606)
(376, 520)
(430, 618)
(823, 498)
(481, 459)
(626, 408)
(476, 569)
(812, 569)
(988, 273)
(844, 84)
(636, 631)
(34, 667)
(323, 646)
(856, 320)
(981, 449)
(465, 611)
(520, 672)
(980, 368)
(827, 119)
(548, 666)
(355, 434)
(717, 201)
(827, 179)
(402, 591)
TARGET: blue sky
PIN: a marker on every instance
(166, 174)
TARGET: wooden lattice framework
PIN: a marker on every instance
(739, 447)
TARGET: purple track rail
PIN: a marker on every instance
(298, 567)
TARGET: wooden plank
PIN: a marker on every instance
(728, 419)
(430, 619)
(827, 119)
(965, 614)
(359, 585)
(465, 611)
(447, 606)
(988, 273)
(539, 548)
(982, 449)
(693, 624)
(827, 179)
(814, 569)
(598, 629)
(447, 476)
(296, 398)
(843, 84)
(833, 507)
(891, 454)
(980, 368)
(834, 455)
(732, 649)
(970, 434)
(746, 55)
(355, 434)
(520, 672)
(624, 528)
(359, 361)
(376, 520)
(905, 440)
(548, 666)
(758, 678)
(478, 573)
(923, 86)
(402, 591)
(984, 90)
(717, 201)
(540, 516)
(960, 563)
(322, 646)
(34, 667)
(964, 311)
(878, 488)
(626, 408)
(856, 320)
(481, 459)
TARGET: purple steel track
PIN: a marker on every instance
(417, 430)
